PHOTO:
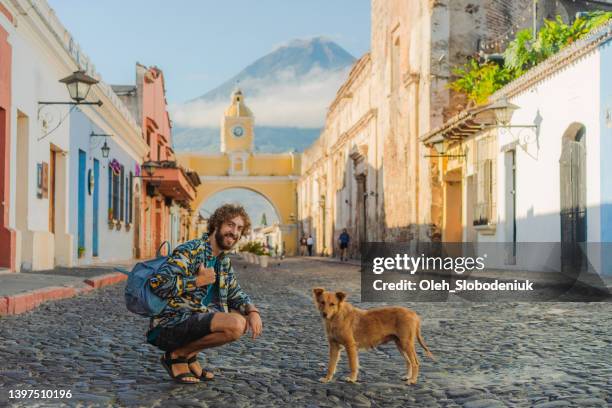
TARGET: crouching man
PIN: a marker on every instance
(205, 308)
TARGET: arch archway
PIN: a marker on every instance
(246, 197)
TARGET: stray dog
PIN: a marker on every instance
(356, 328)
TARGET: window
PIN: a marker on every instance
(116, 209)
(131, 196)
(484, 209)
(122, 195)
(110, 193)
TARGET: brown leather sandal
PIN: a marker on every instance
(168, 362)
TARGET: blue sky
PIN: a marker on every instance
(200, 44)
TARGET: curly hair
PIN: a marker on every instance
(227, 212)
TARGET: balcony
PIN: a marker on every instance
(171, 180)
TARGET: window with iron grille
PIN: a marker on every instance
(122, 196)
(484, 209)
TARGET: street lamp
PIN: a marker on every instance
(503, 111)
(149, 167)
(78, 84)
(105, 150)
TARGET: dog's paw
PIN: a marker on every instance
(410, 382)
(350, 380)
(325, 379)
(404, 378)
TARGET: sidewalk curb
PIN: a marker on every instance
(105, 280)
(26, 301)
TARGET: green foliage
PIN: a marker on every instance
(254, 247)
(479, 80)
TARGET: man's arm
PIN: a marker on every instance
(174, 277)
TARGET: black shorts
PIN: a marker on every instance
(172, 338)
(343, 245)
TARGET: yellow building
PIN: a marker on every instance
(274, 176)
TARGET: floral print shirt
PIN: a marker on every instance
(176, 281)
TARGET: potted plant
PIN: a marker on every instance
(264, 258)
(81, 251)
(111, 221)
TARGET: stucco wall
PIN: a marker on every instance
(113, 244)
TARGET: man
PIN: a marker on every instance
(343, 241)
(205, 308)
(303, 245)
(309, 244)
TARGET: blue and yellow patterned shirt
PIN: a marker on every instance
(176, 281)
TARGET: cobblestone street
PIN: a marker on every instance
(488, 355)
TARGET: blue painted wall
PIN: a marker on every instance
(606, 155)
(113, 244)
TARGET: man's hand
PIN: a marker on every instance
(254, 324)
(206, 276)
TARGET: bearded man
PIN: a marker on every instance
(206, 306)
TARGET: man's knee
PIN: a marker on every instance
(236, 327)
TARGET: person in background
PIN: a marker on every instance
(343, 241)
(309, 244)
(303, 247)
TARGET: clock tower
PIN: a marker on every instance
(237, 126)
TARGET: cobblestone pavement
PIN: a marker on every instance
(488, 355)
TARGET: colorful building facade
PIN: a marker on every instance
(163, 199)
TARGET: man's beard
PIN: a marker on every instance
(221, 238)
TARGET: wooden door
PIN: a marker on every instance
(52, 173)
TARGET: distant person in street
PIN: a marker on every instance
(205, 308)
(343, 241)
(309, 244)
(303, 245)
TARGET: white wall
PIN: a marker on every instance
(568, 96)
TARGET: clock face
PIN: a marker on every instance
(238, 131)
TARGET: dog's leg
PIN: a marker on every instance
(405, 355)
(334, 356)
(351, 351)
(414, 361)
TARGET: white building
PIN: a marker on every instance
(44, 150)
(543, 178)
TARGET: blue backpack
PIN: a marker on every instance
(139, 298)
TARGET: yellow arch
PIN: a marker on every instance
(211, 194)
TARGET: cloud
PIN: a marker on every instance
(284, 99)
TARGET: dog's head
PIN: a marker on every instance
(328, 303)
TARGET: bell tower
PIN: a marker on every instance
(237, 126)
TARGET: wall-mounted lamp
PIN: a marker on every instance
(439, 144)
(105, 148)
(503, 111)
(78, 84)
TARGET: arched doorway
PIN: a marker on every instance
(265, 217)
(573, 182)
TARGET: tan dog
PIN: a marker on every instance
(355, 329)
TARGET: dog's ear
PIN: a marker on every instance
(318, 291)
(341, 296)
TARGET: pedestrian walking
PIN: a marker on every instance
(309, 244)
(343, 241)
(206, 306)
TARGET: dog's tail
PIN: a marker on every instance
(422, 343)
